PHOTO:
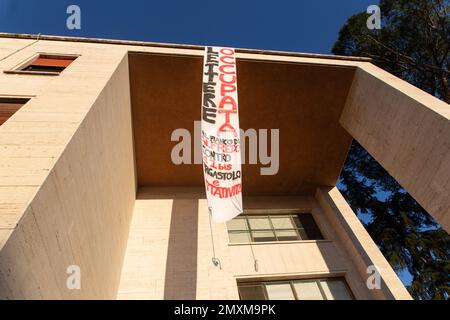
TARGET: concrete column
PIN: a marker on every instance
(359, 245)
(81, 211)
(407, 131)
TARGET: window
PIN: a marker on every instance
(45, 64)
(309, 289)
(273, 227)
(9, 106)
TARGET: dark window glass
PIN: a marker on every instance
(43, 68)
(310, 226)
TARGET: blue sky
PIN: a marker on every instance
(296, 25)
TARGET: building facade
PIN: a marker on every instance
(87, 182)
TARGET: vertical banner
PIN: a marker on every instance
(221, 150)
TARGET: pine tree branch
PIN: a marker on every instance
(408, 59)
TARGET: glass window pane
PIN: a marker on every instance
(313, 234)
(307, 221)
(307, 290)
(239, 236)
(286, 235)
(279, 291)
(283, 222)
(237, 224)
(311, 229)
(251, 292)
(302, 234)
(259, 222)
(335, 289)
(261, 236)
(297, 222)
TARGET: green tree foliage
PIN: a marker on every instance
(413, 44)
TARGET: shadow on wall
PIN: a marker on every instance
(181, 265)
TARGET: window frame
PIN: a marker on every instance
(269, 216)
(18, 69)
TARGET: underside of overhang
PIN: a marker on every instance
(304, 101)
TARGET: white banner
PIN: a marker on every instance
(221, 150)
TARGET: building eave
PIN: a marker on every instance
(178, 46)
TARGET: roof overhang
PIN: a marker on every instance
(303, 100)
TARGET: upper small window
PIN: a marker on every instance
(50, 64)
(9, 106)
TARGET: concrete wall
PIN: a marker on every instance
(67, 170)
(359, 245)
(407, 131)
(169, 250)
